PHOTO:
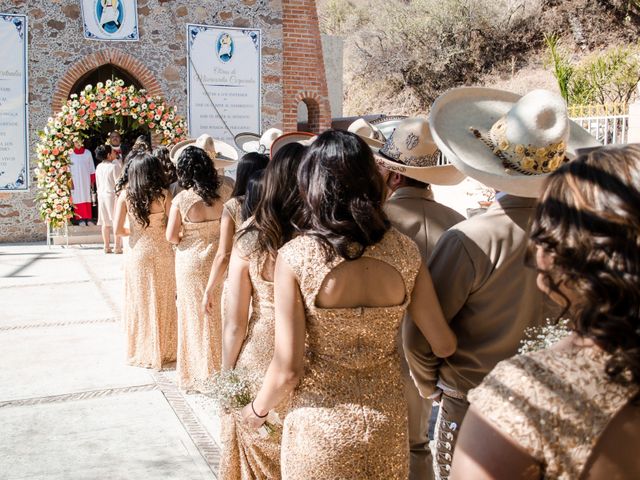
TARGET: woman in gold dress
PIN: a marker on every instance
(194, 226)
(341, 290)
(572, 411)
(232, 219)
(248, 340)
(149, 312)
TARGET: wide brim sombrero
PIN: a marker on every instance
(305, 138)
(225, 155)
(388, 124)
(247, 142)
(457, 111)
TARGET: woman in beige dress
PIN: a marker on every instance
(194, 226)
(248, 338)
(341, 291)
(571, 412)
(232, 219)
(149, 312)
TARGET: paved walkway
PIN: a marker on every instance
(69, 406)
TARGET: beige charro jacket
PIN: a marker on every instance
(487, 294)
(414, 212)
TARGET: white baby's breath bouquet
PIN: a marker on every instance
(232, 390)
(544, 336)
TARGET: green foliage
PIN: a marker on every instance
(607, 77)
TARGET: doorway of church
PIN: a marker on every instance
(98, 134)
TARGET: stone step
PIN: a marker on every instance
(79, 234)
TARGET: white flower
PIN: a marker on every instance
(88, 88)
(108, 84)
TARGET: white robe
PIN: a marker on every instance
(82, 168)
(110, 12)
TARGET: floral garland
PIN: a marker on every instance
(94, 104)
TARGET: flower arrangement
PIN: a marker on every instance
(111, 100)
(234, 389)
(544, 336)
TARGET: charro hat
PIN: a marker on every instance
(388, 123)
(252, 142)
(304, 138)
(222, 154)
(369, 133)
(410, 151)
(506, 141)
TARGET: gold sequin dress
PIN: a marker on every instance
(234, 207)
(554, 404)
(348, 415)
(247, 455)
(150, 317)
(199, 334)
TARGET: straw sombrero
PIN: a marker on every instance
(410, 151)
(222, 154)
(252, 142)
(506, 141)
(304, 138)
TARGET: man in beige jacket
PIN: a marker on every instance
(486, 291)
(411, 208)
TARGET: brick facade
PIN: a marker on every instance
(304, 76)
(292, 68)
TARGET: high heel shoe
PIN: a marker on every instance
(108, 250)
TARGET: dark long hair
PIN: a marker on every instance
(248, 164)
(343, 194)
(253, 194)
(195, 170)
(145, 183)
(588, 221)
(277, 215)
(167, 165)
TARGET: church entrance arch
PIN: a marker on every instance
(109, 101)
(129, 129)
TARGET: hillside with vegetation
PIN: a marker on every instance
(401, 54)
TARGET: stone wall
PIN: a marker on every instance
(58, 54)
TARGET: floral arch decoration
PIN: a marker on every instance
(111, 100)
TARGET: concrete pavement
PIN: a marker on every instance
(69, 406)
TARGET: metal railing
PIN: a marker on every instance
(608, 123)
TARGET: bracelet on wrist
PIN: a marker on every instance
(256, 413)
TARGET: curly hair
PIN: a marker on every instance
(195, 170)
(277, 215)
(145, 183)
(169, 168)
(343, 193)
(588, 221)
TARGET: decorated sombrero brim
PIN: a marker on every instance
(247, 142)
(410, 151)
(224, 155)
(388, 124)
(305, 138)
(453, 116)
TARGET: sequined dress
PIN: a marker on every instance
(150, 317)
(553, 404)
(247, 455)
(348, 415)
(234, 207)
(199, 334)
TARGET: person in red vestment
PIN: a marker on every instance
(83, 176)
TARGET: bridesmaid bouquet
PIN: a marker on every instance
(233, 390)
(544, 336)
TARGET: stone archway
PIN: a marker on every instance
(95, 60)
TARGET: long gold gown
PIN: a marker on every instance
(199, 334)
(348, 415)
(150, 317)
(247, 455)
